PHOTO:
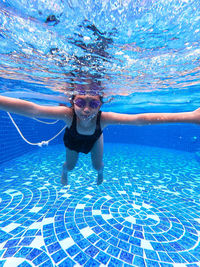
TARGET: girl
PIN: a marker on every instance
(85, 123)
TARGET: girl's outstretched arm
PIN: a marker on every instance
(109, 118)
(30, 109)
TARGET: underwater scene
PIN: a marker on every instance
(136, 57)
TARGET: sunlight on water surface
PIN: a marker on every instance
(145, 49)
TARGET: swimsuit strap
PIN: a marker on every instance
(73, 125)
(98, 123)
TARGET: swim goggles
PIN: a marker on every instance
(81, 103)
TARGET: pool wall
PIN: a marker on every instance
(178, 136)
(11, 143)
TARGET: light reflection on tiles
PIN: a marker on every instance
(146, 213)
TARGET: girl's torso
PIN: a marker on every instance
(87, 128)
(81, 138)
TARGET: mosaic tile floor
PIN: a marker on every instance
(146, 213)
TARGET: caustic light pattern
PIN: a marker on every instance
(146, 213)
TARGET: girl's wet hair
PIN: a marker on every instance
(81, 78)
(73, 97)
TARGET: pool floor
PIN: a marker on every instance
(146, 212)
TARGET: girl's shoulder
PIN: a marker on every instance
(67, 113)
(104, 117)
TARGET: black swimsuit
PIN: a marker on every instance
(80, 142)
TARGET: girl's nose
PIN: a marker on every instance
(86, 109)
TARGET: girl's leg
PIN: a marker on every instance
(71, 160)
(97, 158)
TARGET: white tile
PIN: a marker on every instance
(2, 245)
(96, 212)
(136, 194)
(63, 191)
(108, 197)
(10, 227)
(90, 188)
(47, 220)
(137, 207)
(38, 242)
(12, 262)
(146, 244)
(80, 206)
(27, 183)
(66, 195)
(87, 231)
(36, 225)
(35, 209)
(147, 206)
(67, 243)
(88, 196)
(122, 192)
(130, 219)
(107, 216)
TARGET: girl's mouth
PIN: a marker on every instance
(89, 116)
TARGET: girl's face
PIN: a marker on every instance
(86, 107)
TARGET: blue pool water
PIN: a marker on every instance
(146, 213)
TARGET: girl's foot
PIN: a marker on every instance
(100, 177)
(64, 177)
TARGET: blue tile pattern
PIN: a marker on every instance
(146, 213)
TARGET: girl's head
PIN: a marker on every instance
(86, 106)
(87, 96)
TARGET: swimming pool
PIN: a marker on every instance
(146, 213)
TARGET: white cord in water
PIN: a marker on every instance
(40, 144)
(45, 122)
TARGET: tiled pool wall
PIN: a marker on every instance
(11, 143)
(180, 136)
(175, 136)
